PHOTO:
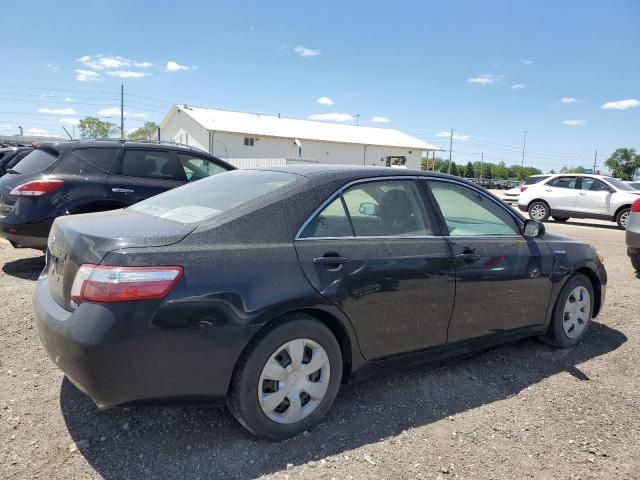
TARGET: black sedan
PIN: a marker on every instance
(270, 288)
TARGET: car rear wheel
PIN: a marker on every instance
(622, 219)
(560, 219)
(572, 313)
(539, 211)
(287, 379)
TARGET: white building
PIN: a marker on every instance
(247, 139)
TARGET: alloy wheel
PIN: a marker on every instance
(294, 380)
(538, 211)
(576, 312)
(624, 219)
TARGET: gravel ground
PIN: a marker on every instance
(518, 411)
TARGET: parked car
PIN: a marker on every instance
(578, 195)
(511, 196)
(633, 235)
(635, 185)
(10, 156)
(90, 176)
(270, 288)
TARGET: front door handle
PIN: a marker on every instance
(581, 193)
(329, 260)
(121, 190)
(468, 256)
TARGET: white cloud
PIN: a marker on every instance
(70, 121)
(175, 67)
(325, 101)
(111, 112)
(456, 136)
(377, 119)
(331, 117)
(142, 64)
(575, 123)
(40, 132)
(622, 104)
(307, 52)
(58, 111)
(139, 115)
(5, 126)
(568, 100)
(526, 62)
(127, 74)
(102, 62)
(51, 66)
(69, 99)
(86, 76)
(484, 79)
(518, 86)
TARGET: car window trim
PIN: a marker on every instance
(340, 191)
(499, 203)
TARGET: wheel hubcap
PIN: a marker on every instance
(294, 381)
(538, 211)
(624, 219)
(576, 312)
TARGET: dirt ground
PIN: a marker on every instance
(520, 411)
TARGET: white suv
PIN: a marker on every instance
(579, 196)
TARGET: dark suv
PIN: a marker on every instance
(10, 156)
(90, 176)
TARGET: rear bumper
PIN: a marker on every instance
(29, 235)
(632, 234)
(108, 352)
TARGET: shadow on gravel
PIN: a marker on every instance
(205, 442)
(25, 268)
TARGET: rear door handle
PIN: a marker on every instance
(581, 193)
(328, 260)
(121, 190)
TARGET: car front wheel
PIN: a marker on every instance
(622, 219)
(539, 211)
(287, 379)
(572, 313)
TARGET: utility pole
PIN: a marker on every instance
(450, 148)
(595, 161)
(524, 144)
(357, 119)
(481, 164)
(122, 113)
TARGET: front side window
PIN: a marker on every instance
(197, 168)
(157, 165)
(468, 212)
(391, 208)
(593, 185)
(563, 182)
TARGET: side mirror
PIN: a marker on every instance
(370, 209)
(533, 229)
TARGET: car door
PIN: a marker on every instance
(502, 279)
(376, 252)
(141, 173)
(561, 193)
(594, 196)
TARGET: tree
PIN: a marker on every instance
(572, 170)
(552, 171)
(624, 163)
(92, 127)
(469, 171)
(454, 168)
(147, 132)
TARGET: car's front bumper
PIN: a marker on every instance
(109, 352)
(28, 235)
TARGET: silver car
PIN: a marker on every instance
(633, 235)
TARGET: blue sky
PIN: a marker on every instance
(488, 69)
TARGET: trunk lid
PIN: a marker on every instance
(79, 239)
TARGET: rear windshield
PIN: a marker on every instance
(532, 180)
(34, 162)
(207, 198)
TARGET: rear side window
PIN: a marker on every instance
(200, 201)
(36, 161)
(100, 157)
(532, 180)
(158, 165)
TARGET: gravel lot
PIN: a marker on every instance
(523, 410)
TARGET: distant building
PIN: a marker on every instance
(248, 139)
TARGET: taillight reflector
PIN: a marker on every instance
(103, 283)
(37, 188)
(522, 189)
(635, 206)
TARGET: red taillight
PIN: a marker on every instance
(103, 283)
(523, 188)
(37, 188)
(635, 206)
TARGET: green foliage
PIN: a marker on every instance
(572, 170)
(497, 171)
(469, 171)
(92, 127)
(624, 163)
(147, 132)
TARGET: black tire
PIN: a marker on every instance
(619, 217)
(539, 204)
(242, 398)
(560, 219)
(556, 335)
(635, 261)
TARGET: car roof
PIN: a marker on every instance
(356, 171)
